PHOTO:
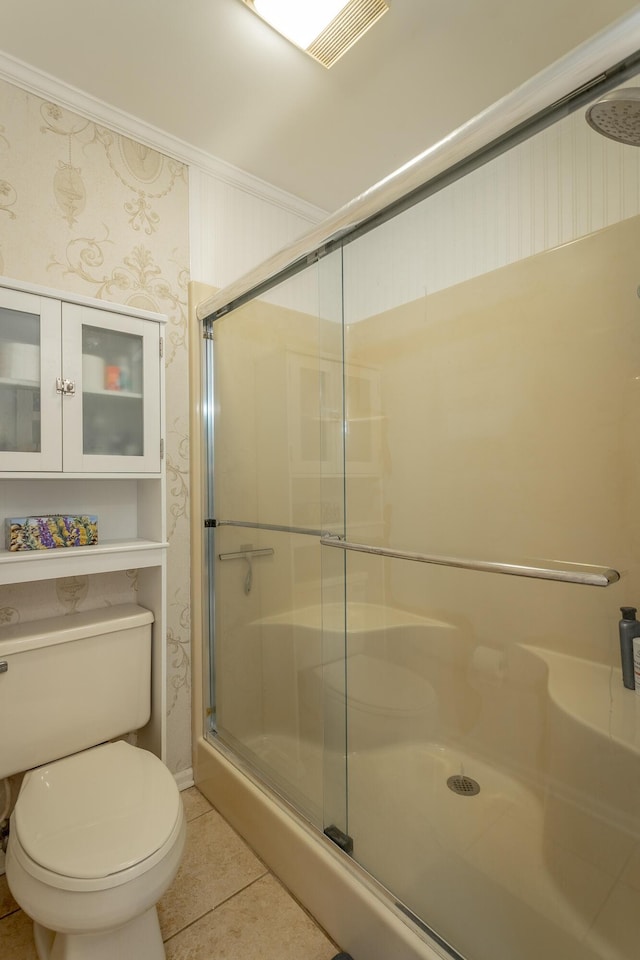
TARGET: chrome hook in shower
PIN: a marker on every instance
(247, 552)
(248, 580)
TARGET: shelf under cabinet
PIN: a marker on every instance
(111, 555)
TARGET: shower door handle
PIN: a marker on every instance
(586, 574)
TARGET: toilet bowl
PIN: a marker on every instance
(95, 841)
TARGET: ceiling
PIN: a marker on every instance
(210, 73)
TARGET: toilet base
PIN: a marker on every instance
(140, 939)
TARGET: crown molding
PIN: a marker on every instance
(45, 86)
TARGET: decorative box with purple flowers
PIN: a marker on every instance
(46, 533)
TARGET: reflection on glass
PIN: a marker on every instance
(269, 658)
(279, 460)
(19, 381)
(112, 392)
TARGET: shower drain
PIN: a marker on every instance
(464, 786)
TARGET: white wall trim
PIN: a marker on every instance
(44, 85)
(197, 218)
(184, 779)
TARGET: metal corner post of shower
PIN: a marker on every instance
(416, 435)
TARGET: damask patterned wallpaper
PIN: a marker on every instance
(86, 210)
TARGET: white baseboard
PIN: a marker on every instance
(184, 779)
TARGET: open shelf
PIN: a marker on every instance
(22, 566)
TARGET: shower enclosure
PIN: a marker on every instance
(423, 516)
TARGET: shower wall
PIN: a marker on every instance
(510, 407)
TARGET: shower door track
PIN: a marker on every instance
(586, 574)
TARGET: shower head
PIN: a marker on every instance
(617, 115)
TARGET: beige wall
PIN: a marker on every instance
(510, 408)
(86, 210)
(510, 411)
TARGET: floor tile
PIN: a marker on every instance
(616, 932)
(194, 803)
(7, 903)
(217, 863)
(16, 938)
(261, 922)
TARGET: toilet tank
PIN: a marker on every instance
(68, 683)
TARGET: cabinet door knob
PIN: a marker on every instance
(4, 666)
(66, 387)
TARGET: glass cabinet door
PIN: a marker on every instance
(111, 406)
(30, 424)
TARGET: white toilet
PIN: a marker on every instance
(98, 829)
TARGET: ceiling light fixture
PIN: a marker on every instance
(325, 29)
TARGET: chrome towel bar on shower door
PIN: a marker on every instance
(574, 573)
(245, 554)
(275, 527)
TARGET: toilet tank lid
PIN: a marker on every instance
(97, 813)
(20, 637)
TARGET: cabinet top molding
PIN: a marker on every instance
(9, 283)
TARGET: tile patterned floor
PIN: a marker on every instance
(223, 904)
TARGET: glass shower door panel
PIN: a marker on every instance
(507, 405)
(269, 659)
(278, 428)
(279, 465)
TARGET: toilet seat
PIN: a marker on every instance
(96, 819)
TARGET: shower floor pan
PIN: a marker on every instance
(486, 871)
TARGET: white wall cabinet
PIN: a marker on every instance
(81, 432)
(79, 387)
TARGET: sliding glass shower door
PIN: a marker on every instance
(279, 483)
(427, 506)
(493, 752)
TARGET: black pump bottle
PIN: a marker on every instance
(629, 628)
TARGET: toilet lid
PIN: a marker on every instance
(97, 812)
